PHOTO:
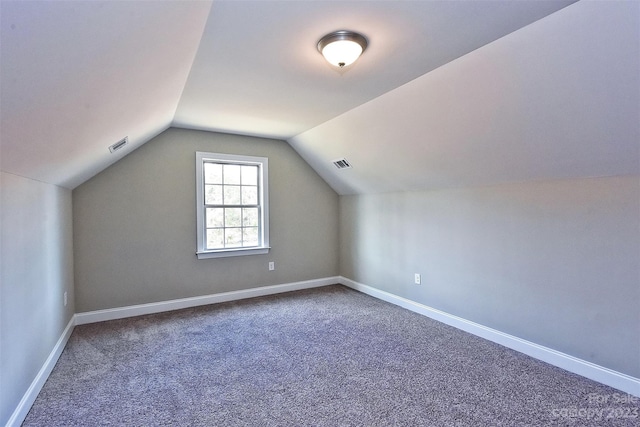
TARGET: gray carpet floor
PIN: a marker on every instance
(322, 357)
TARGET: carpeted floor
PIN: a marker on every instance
(322, 357)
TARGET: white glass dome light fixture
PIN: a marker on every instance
(342, 48)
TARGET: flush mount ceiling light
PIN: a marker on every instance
(342, 48)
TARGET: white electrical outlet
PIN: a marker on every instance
(65, 299)
(272, 266)
(417, 279)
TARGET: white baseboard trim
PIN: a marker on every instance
(21, 411)
(581, 367)
(620, 381)
(177, 304)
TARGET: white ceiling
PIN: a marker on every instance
(77, 76)
(258, 72)
(557, 99)
(447, 94)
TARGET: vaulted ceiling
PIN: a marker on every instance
(447, 94)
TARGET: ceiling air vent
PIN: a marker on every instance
(341, 164)
(118, 145)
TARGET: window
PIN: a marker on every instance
(232, 205)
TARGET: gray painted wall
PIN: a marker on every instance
(135, 231)
(556, 263)
(36, 270)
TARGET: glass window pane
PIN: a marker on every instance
(212, 173)
(213, 194)
(250, 236)
(232, 217)
(230, 204)
(249, 175)
(215, 217)
(249, 195)
(233, 237)
(215, 238)
(250, 217)
(231, 194)
(232, 174)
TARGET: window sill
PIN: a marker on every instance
(233, 252)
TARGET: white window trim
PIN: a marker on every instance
(201, 252)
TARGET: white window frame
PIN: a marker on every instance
(263, 163)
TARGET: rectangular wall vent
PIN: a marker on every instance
(118, 145)
(341, 164)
